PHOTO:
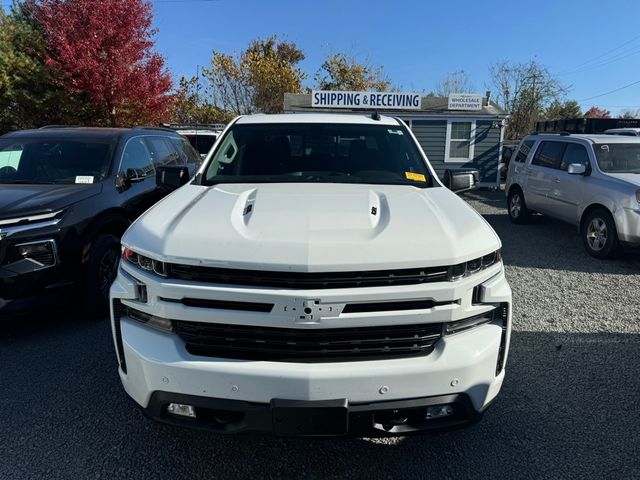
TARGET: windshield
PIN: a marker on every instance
(335, 153)
(202, 143)
(49, 160)
(618, 157)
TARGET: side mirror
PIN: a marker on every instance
(135, 175)
(576, 169)
(461, 180)
(171, 177)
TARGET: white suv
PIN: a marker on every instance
(591, 181)
(315, 278)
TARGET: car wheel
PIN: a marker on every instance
(599, 234)
(516, 206)
(102, 267)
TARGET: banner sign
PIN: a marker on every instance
(368, 100)
(465, 101)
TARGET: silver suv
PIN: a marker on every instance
(591, 181)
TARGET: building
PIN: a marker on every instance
(459, 131)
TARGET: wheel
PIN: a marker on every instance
(102, 267)
(516, 206)
(599, 234)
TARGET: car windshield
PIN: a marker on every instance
(51, 160)
(331, 153)
(618, 157)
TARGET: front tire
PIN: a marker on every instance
(102, 268)
(516, 206)
(599, 234)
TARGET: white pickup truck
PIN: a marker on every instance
(314, 279)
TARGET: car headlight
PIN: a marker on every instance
(43, 252)
(144, 263)
(461, 270)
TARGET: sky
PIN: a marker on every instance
(593, 47)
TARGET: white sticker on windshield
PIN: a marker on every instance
(84, 179)
(395, 132)
(604, 147)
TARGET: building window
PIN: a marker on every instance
(460, 142)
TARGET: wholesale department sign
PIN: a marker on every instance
(465, 101)
(368, 100)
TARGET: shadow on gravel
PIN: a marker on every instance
(568, 408)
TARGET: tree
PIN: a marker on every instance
(341, 71)
(191, 104)
(30, 95)
(524, 90)
(256, 79)
(595, 112)
(273, 72)
(629, 114)
(558, 110)
(455, 82)
(104, 50)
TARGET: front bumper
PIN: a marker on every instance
(315, 418)
(24, 286)
(628, 225)
(156, 367)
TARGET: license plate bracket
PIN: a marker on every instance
(313, 418)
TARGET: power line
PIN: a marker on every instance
(562, 72)
(610, 91)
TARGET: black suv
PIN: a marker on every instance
(67, 195)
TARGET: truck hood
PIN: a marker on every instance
(312, 227)
(23, 200)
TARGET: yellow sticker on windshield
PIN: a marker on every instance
(418, 177)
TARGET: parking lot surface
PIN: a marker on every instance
(568, 408)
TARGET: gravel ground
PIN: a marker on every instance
(568, 408)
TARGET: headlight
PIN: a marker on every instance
(462, 270)
(144, 263)
(43, 252)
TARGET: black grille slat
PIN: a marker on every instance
(299, 344)
(302, 280)
(223, 304)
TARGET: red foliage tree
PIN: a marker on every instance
(595, 112)
(104, 50)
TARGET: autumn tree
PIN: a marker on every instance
(595, 112)
(341, 71)
(104, 50)
(192, 105)
(30, 94)
(525, 90)
(454, 82)
(558, 110)
(256, 79)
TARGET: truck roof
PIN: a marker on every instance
(364, 119)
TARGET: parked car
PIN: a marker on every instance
(66, 197)
(591, 181)
(201, 137)
(508, 149)
(315, 278)
(629, 132)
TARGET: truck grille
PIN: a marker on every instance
(305, 280)
(301, 344)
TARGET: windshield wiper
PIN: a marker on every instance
(27, 182)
